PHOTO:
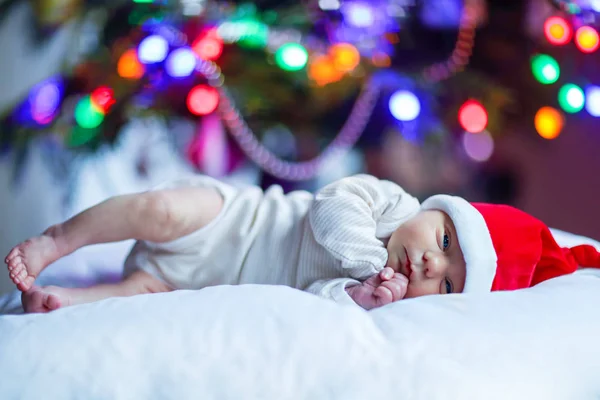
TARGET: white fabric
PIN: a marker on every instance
(296, 239)
(474, 238)
(270, 342)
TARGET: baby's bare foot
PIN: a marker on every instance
(44, 299)
(26, 260)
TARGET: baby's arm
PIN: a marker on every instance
(349, 216)
(156, 216)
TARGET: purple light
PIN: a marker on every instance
(42, 104)
(478, 146)
(358, 14)
(181, 63)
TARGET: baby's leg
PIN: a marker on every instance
(158, 216)
(49, 298)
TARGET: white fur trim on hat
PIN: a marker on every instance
(473, 237)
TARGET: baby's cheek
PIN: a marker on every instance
(418, 289)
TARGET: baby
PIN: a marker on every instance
(360, 241)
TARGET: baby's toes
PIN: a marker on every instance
(12, 254)
(16, 266)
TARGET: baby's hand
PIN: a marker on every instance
(380, 289)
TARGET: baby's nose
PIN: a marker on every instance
(434, 264)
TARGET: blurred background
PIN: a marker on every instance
(494, 100)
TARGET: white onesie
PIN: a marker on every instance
(320, 243)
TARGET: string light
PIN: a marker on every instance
(557, 31)
(44, 100)
(202, 100)
(571, 98)
(129, 65)
(291, 57)
(153, 49)
(548, 122)
(358, 14)
(181, 63)
(586, 39)
(323, 71)
(345, 56)
(87, 115)
(102, 99)
(592, 100)
(478, 146)
(545, 69)
(472, 116)
(595, 5)
(208, 46)
(404, 105)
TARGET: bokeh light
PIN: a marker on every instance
(557, 31)
(381, 60)
(153, 49)
(44, 100)
(103, 98)
(404, 105)
(472, 116)
(291, 57)
(202, 100)
(586, 39)
(545, 69)
(571, 98)
(129, 65)
(592, 100)
(323, 71)
(478, 146)
(358, 14)
(345, 56)
(181, 63)
(87, 115)
(548, 122)
(209, 46)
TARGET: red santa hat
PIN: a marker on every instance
(508, 249)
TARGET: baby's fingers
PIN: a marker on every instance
(397, 288)
(386, 274)
(383, 295)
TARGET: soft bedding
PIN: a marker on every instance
(266, 342)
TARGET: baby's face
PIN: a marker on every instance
(425, 249)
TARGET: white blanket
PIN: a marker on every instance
(261, 342)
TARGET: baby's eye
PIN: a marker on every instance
(449, 288)
(446, 241)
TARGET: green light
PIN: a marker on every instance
(86, 115)
(571, 98)
(545, 69)
(291, 57)
(253, 34)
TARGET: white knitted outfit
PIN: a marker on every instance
(321, 243)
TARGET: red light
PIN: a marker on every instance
(586, 39)
(208, 46)
(202, 100)
(103, 98)
(472, 116)
(557, 31)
